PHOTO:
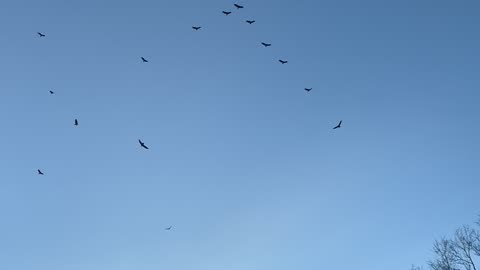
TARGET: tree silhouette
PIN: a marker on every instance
(461, 252)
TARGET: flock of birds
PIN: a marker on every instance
(144, 60)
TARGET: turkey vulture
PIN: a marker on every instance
(250, 22)
(40, 34)
(339, 125)
(308, 89)
(226, 12)
(142, 144)
(76, 122)
(51, 92)
(238, 6)
(196, 27)
(144, 60)
(282, 61)
(39, 172)
(266, 44)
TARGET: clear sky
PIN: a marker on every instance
(243, 163)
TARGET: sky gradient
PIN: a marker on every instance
(243, 163)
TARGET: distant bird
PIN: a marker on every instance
(142, 144)
(39, 172)
(169, 228)
(308, 89)
(51, 92)
(238, 6)
(226, 12)
(282, 61)
(196, 27)
(76, 122)
(144, 60)
(250, 22)
(266, 44)
(339, 125)
(40, 34)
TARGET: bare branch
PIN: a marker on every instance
(464, 246)
(445, 256)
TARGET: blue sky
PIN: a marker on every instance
(243, 163)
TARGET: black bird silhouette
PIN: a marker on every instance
(76, 122)
(339, 125)
(266, 44)
(144, 60)
(238, 6)
(250, 21)
(51, 92)
(282, 61)
(169, 228)
(39, 172)
(226, 12)
(196, 27)
(308, 89)
(40, 34)
(142, 144)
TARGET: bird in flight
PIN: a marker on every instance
(39, 172)
(196, 28)
(51, 92)
(226, 12)
(308, 89)
(282, 61)
(144, 60)
(339, 125)
(142, 144)
(238, 6)
(266, 44)
(76, 122)
(40, 34)
(169, 228)
(250, 21)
